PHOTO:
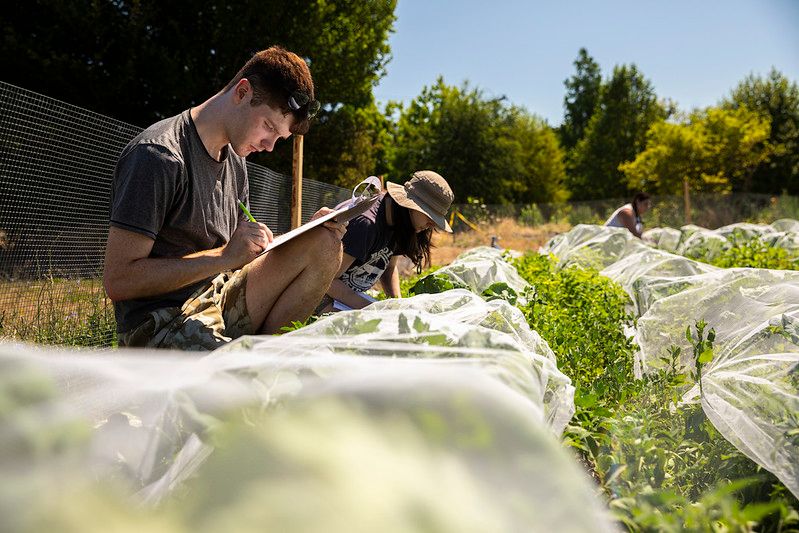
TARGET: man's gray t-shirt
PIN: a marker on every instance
(168, 188)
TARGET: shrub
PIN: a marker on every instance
(531, 215)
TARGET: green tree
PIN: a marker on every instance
(142, 60)
(582, 96)
(354, 141)
(484, 148)
(673, 152)
(542, 161)
(777, 98)
(615, 134)
(715, 149)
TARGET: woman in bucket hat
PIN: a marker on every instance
(400, 223)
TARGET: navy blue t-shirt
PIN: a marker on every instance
(369, 239)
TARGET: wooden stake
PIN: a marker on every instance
(686, 200)
(296, 183)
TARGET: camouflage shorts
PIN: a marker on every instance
(212, 317)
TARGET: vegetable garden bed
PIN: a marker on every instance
(488, 401)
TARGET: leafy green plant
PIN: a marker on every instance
(298, 324)
(531, 215)
(661, 463)
(410, 281)
(755, 253)
(500, 291)
(433, 284)
(582, 316)
(583, 214)
(703, 348)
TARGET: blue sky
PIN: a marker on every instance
(694, 52)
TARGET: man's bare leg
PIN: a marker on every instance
(289, 282)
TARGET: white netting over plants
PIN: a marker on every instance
(292, 435)
(481, 267)
(696, 242)
(459, 326)
(751, 387)
(592, 246)
(664, 238)
(429, 413)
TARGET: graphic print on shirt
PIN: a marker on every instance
(362, 277)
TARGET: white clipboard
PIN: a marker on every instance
(358, 205)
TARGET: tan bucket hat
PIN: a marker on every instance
(426, 192)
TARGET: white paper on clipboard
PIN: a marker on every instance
(353, 208)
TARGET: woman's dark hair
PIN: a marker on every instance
(639, 197)
(416, 246)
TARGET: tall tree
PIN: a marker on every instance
(142, 60)
(582, 96)
(615, 134)
(777, 98)
(355, 140)
(486, 149)
(715, 150)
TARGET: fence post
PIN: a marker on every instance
(686, 199)
(296, 183)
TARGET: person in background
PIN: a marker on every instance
(400, 223)
(183, 266)
(629, 215)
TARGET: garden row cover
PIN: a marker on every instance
(438, 412)
(750, 390)
(702, 243)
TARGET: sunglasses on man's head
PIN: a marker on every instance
(299, 99)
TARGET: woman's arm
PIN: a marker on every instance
(390, 279)
(627, 217)
(340, 291)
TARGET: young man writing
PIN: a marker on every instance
(182, 263)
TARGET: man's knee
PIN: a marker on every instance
(327, 249)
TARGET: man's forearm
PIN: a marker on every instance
(151, 276)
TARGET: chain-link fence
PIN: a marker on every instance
(56, 166)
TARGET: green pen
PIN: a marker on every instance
(246, 211)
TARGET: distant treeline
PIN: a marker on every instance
(145, 60)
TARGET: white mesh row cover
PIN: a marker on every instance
(592, 246)
(751, 387)
(481, 267)
(431, 413)
(506, 347)
(696, 242)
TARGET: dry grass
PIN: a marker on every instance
(56, 311)
(509, 232)
(27, 298)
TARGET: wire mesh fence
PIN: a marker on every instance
(56, 166)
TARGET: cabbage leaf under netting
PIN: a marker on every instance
(751, 387)
(291, 433)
